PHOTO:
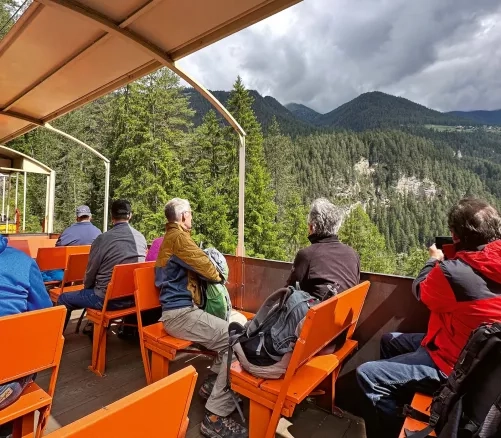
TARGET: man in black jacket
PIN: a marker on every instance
(327, 267)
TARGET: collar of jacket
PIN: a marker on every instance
(176, 225)
(313, 238)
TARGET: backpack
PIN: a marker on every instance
(265, 340)
(217, 298)
(468, 404)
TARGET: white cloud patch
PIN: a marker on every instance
(443, 54)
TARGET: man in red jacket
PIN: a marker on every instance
(462, 292)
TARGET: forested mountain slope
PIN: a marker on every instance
(395, 182)
(483, 117)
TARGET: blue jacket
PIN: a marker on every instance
(180, 266)
(80, 233)
(21, 285)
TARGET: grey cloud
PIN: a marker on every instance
(444, 54)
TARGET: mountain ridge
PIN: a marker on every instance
(368, 111)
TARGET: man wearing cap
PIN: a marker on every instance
(82, 232)
(122, 244)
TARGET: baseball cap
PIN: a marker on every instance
(83, 210)
(120, 207)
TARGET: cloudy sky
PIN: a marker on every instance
(445, 54)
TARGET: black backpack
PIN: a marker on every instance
(468, 404)
(273, 330)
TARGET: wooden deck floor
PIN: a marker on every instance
(79, 392)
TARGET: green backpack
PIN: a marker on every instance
(218, 301)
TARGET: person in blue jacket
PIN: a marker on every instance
(21, 290)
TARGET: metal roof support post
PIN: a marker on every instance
(106, 166)
(241, 197)
(8, 206)
(24, 199)
(52, 200)
(3, 197)
(44, 230)
(17, 189)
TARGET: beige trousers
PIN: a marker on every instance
(195, 325)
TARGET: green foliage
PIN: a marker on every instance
(407, 177)
(414, 261)
(361, 234)
(261, 230)
(149, 132)
(210, 173)
(291, 212)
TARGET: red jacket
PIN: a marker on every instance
(461, 293)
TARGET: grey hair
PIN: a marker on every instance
(324, 217)
(175, 208)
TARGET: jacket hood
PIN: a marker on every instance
(3, 244)
(487, 261)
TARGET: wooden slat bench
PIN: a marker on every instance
(307, 371)
(34, 343)
(121, 285)
(153, 338)
(159, 410)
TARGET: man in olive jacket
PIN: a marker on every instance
(180, 266)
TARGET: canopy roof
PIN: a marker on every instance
(14, 161)
(62, 54)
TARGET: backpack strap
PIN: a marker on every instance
(432, 420)
(235, 332)
(411, 412)
(425, 433)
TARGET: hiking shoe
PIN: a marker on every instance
(215, 426)
(207, 387)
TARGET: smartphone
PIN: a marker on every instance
(440, 241)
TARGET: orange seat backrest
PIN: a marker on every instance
(32, 341)
(28, 237)
(77, 249)
(158, 410)
(51, 258)
(146, 293)
(20, 244)
(57, 258)
(327, 320)
(76, 267)
(40, 242)
(122, 280)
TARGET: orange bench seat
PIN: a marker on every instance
(153, 338)
(308, 371)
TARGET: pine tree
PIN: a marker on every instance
(261, 230)
(206, 174)
(361, 234)
(291, 212)
(151, 117)
(415, 261)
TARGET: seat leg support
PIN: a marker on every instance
(259, 420)
(159, 367)
(24, 426)
(99, 350)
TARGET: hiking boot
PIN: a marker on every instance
(215, 426)
(207, 387)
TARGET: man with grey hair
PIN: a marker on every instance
(180, 266)
(327, 267)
